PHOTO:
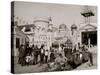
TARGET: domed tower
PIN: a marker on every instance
(50, 25)
(62, 34)
(62, 27)
(63, 30)
(73, 29)
(74, 34)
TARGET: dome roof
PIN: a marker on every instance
(74, 26)
(62, 26)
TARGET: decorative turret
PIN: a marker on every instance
(50, 25)
(62, 27)
(73, 28)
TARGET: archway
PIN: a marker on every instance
(92, 35)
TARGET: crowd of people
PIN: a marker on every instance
(32, 55)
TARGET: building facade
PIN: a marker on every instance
(28, 30)
(43, 32)
(18, 38)
(88, 34)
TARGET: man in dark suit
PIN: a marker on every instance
(21, 55)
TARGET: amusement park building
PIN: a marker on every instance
(18, 38)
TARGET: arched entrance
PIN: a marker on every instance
(90, 36)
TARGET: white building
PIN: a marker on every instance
(18, 38)
(43, 32)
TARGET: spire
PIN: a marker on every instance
(50, 19)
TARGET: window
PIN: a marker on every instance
(17, 42)
(27, 29)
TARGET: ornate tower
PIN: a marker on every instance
(74, 34)
(73, 29)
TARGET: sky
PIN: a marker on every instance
(60, 13)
